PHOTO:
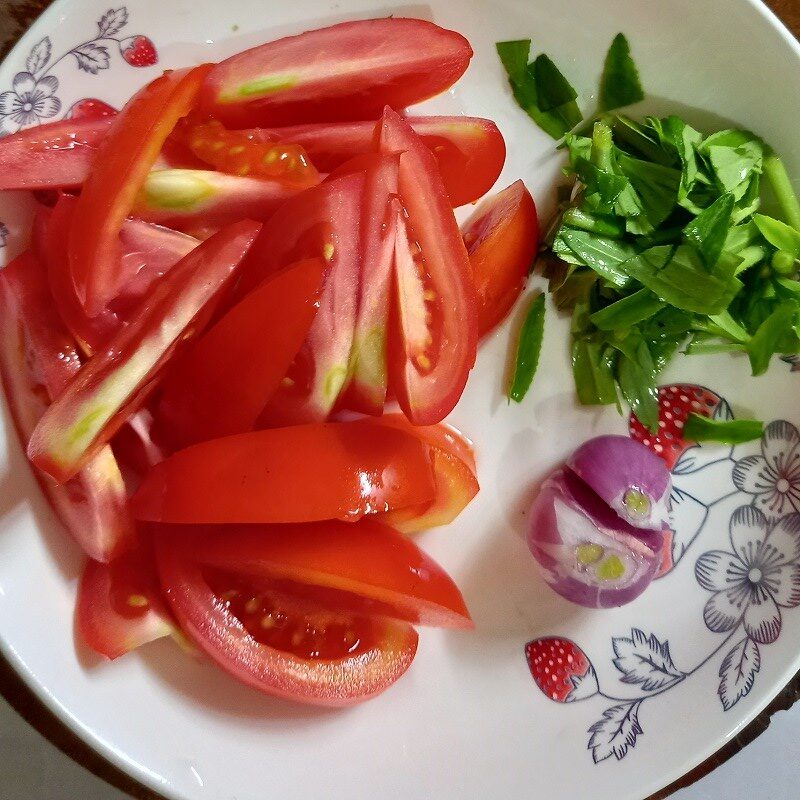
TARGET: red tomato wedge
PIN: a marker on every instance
(368, 560)
(56, 155)
(346, 71)
(116, 381)
(119, 606)
(185, 198)
(433, 341)
(324, 221)
(456, 477)
(502, 239)
(303, 473)
(281, 639)
(366, 374)
(38, 358)
(221, 385)
(469, 151)
(147, 252)
(128, 152)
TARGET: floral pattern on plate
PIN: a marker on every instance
(752, 582)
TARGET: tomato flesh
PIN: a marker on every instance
(469, 151)
(117, 380)
(502, 239)
(346, 71)
(125, 157)
(222, 384)
(38, 359)
(381, 657)
(250, 153)
(119, 606)
(426, 389)
(300, 473)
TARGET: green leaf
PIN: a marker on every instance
(740, 237)
(676, 136)
(599, 253)
(655, 184)
(637, 137)
(620, 85)
(709, 229)
(734, 167)
(602, 225)
(521, 76)
(593, 371)
(767, 339)
(678, 277)
(574, 289)
(779, 234)
(552, 88)
(578, 147)
(781, 184)
(528, 349)
(636, 374)
(627, 311)
(603, 188)
(735, 431)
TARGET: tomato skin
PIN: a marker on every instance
(215, 630)
(221, 385)
(368, 560)
(427, 395)
(302, 473)
(502, 239)
(186, 198)
(119, 605)
(125, 157)
(325, 221)
(38, 358)
(117, 380)
(455, 471)
(470, 151)
(55, 155)
(331, 73)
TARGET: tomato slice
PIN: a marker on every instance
(147, 253)
(185, 198)
(370, 561)
(223, 382)
(346, 71)
(455, 471)
(125, 157)
(502, 239)
(119, 605)
(469, 151)
(321, 222)
(54, 155)
(278, 638)
(116, 381)
(428, 373)
(250, 153)
(366, 375)
(38, 358)
(302, 473)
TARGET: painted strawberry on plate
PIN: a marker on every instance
(138, 51)
(675, 403)
(561, 669)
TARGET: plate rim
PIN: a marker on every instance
(162, 788)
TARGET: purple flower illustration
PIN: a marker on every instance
(774, 476)
(28, 102)
(756, 579)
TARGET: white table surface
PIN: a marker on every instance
(32, 769)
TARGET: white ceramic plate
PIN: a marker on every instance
(669, 684)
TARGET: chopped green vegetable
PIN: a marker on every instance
(527, 80)
(767, 339)
(779, 234)
(735, 431)
(627, 311)
(528, 348)
(620, 85)
(781, 184)
(708, 231)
